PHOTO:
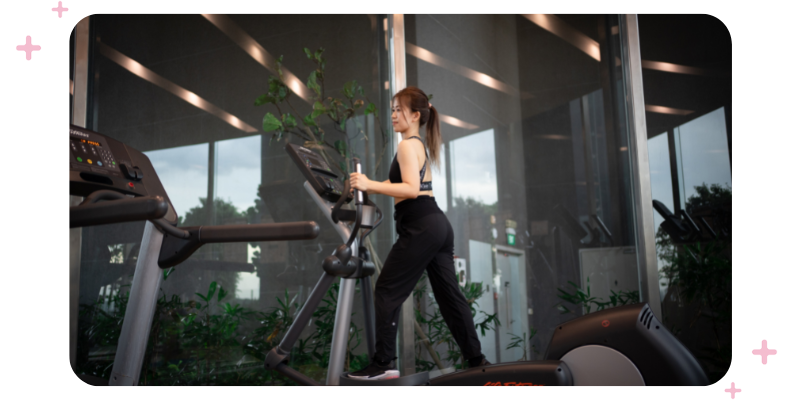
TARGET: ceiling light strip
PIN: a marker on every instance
(677, 69)
(558, 27)
(471, 74)
(251, 47)
(456, 122)
(666, 110)
(190, 97)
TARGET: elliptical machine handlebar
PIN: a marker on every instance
(359, 203)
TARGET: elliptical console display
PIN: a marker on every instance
(317, 172)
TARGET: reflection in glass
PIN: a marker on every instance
(690, 174)
(704, 152)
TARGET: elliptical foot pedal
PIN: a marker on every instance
(418, 379)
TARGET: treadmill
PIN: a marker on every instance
(119, 184)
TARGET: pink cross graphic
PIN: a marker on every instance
(764, 352)
(733, 390)
(60, 9)
(28, 48)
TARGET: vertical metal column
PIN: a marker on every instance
(80, 81)
(81, 73)
(640, 164)
(74, 285)
(139, 314)
(212, 184)
(398, 52)
(341, 329)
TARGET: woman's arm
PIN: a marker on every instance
(372, 191)
(409, 170)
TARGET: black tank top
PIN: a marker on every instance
(396, 177)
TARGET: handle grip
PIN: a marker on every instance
(115, 211)
(357, 168)
(258, 232)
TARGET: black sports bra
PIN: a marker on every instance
(396, 177)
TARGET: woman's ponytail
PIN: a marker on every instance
(433, 137)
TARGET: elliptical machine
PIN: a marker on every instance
(350, 262)
(119, 184)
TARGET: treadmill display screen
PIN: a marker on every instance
(90, 142)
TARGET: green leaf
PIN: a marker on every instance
(430, 97)
(271, 123)
(264, 99)
(349, 88)
(361, 91)
(288, 121)
(312, 82)
(308, 53)
(222, 293)
(318, 54)
(274, 83)
(211, 289)
(342, 166)
(202, 297)
(319, 109)
(343, 124)
(370, 109)
(308, 120)
(341, 147)
(168, 272)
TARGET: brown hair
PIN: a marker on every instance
(416, 100)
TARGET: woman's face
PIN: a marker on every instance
(402, 117)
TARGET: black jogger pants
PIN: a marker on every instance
(425, 243)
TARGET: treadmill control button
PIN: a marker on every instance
(127, 171)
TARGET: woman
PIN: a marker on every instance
(425, 238)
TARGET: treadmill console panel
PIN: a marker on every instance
(318, 173)
(98, 162)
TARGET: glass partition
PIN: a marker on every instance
(688, 98)
(183, 89)
(537, 169)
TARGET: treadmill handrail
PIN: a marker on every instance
(303, 230)
(175, 250)
(115, 211)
